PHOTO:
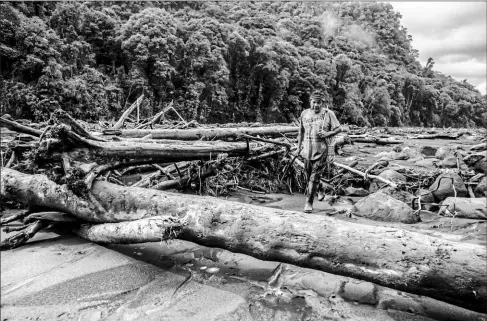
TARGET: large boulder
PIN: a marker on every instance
(481, 188)
(382, 207)
(445, 185)
(388, 174)
(428, 150)
(475, 208)
(400, 195)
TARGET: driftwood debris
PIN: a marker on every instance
(387, 256)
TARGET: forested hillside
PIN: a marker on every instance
(223, 62)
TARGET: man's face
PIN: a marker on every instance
(316, 105)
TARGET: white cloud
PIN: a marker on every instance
(482, 88)
(452, 33)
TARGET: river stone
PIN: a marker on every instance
(444, 151)
(475, 208)
(390, 175)
(397, 149)
(382, 207)
(430, 162)
(428, 150)
(481, 188)
(408, 153)
(443, 188)
(352, 191)
(400, 195)
(449, 161)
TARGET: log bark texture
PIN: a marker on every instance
(208, 133)
(404, 260)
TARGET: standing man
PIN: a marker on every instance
(318, 127)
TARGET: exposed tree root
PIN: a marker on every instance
(22, 237)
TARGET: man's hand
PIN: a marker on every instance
(324, 134)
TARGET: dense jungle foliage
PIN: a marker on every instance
(223, 62)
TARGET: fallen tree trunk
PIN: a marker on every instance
(206, 133)
(89, 150)
(400, 259)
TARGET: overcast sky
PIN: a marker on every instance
(453, 34)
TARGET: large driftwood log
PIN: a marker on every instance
(208, 133)
(400, 259)
(12, 125)
(88, 150)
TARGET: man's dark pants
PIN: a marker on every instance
(314, 170)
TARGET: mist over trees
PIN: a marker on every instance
(223, 62)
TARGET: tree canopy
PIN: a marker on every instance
(224, 62)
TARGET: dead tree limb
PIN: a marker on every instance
(365, 176)
(182, 182)
(12, 160)
(129, 110)
(355, 171)
(62, 117)
(156, 118)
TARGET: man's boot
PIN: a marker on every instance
(310, 196)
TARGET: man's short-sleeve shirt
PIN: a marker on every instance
(312, 123)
